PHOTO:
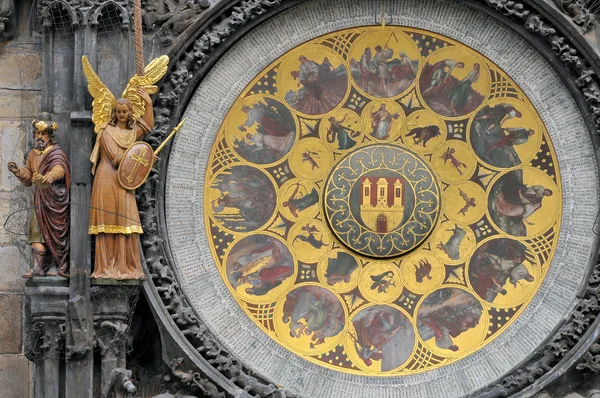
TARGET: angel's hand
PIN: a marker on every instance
(145, 96)
(154, 158)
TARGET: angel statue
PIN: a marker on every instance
(114, 217)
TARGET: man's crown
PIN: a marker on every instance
(41, 125)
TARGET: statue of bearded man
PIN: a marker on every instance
(47, 170)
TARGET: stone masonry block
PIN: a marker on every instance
(14, 376)
(25, 70)
(12, 266)
(13, 141)
(14, 212)
(11, 315)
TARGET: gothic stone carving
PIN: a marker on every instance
(47, 339)
(82, 12)
(170, 19)
(579, 11)
(190, 382)
(7, 9)
(79, 328)
(111, 335)
(163, 276)
(591, 359)
(572, 60)
(47, 303)
(119, 384)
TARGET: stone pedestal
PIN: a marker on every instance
(47, 299)
(112, 310)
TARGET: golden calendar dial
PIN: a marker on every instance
(381, 202)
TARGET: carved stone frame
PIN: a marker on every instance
(212, 370)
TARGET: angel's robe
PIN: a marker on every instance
(114, 217)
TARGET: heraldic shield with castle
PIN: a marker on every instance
(383, 207)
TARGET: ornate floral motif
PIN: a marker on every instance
(579, 11)
(571, 58)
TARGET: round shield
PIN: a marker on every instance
(135, 165)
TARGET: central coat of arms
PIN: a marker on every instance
(382, 200)
(382, 203)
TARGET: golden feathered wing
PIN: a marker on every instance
(153, 72)
(104, 100)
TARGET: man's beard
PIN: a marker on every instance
(40, 144)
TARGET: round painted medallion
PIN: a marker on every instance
(382, 200)
(386, 207)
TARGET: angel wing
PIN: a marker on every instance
(464, 195)
(104, 100)
(153, 72)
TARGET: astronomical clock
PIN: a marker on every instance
(387, 204)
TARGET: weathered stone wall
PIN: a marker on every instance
(20, 94)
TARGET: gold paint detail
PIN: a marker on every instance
(472, 161)
(45, 150)
(139, 161)
(114, 229)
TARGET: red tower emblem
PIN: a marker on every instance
(382, 202)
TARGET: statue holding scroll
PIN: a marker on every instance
(47, 170)
(119, 124)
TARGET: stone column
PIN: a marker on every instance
(112, 312)
(47, 300)
(69, 31)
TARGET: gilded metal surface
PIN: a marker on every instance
(383, 200)
(104, 100)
